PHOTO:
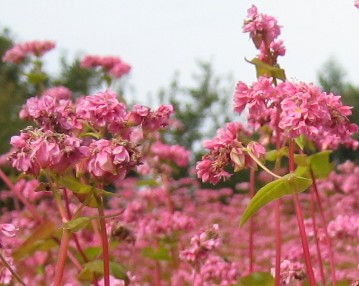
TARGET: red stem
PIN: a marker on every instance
(26, 203)
(278, 242)
(252, 177)
(327, 237)
(104, 239)
(300, 220)
(60, 266)
(320, 260)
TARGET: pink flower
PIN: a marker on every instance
(58, 92)
(109, 160)
(8, 229)
(18, 53)
(261, 27)
(113, 65)
(36, 149)
(176, 153)
(102, 110)
(356, 3)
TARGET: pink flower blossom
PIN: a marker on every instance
(113, 65)
(176, 153)
(356, 3)
(58, 92)
(8, 229)
(102, 110)
(18, 53)
(108, 160)
(290, 271)
(36, 149)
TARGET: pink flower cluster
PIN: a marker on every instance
(226, 149)
(216, 271)
(150, 120)
(201, 245)
(36, 48)
(356, 3)
(36, 149)
(113, 65)
(297, 109)
(344, 226)
(174, 153)
(54, 110)
(108, 160)
(291, 271)
(264, 30)
(102, 110)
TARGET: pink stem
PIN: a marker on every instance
(251, 222)
(320, 260)
(60, 266)
(278, 240)
(104, 239)
(26, 203)
(300, 220)
(327, 237)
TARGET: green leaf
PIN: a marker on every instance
(264, 69)
(273, 191)
(34, 241)
(274, 154)
(256, 279)
(93, 252)
(161, 253)
(301, 160)
(320, 164)
(74, 185)
(76, 224)
(301, 141)
(96, 267)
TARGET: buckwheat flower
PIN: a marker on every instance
(8, 229)
(113, 65)
(58, 92)
(109, 160)
(224, 150)
(36, 149)
(175, 153)
(159, 118)
(102, 110)
(51, 111)
(36, 48)
(261, 27)
(356, 3)
(344, 226)
(201, 244)
(216, 271)
(290, 271)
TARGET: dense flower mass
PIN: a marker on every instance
(113, 65)
(36, 149)
(297, 109)
(36, 48)
(227, 149)
(102, 110)
(109, 160)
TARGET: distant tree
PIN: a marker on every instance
(200, 109)
(13, 93)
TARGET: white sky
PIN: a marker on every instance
(158, 37)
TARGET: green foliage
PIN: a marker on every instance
(277, 189)
(256, 279)
(77, 224)
(318, 163)
(201, 109)
(160, 253)
(96, 267)
(13, 94)
(264, 69)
